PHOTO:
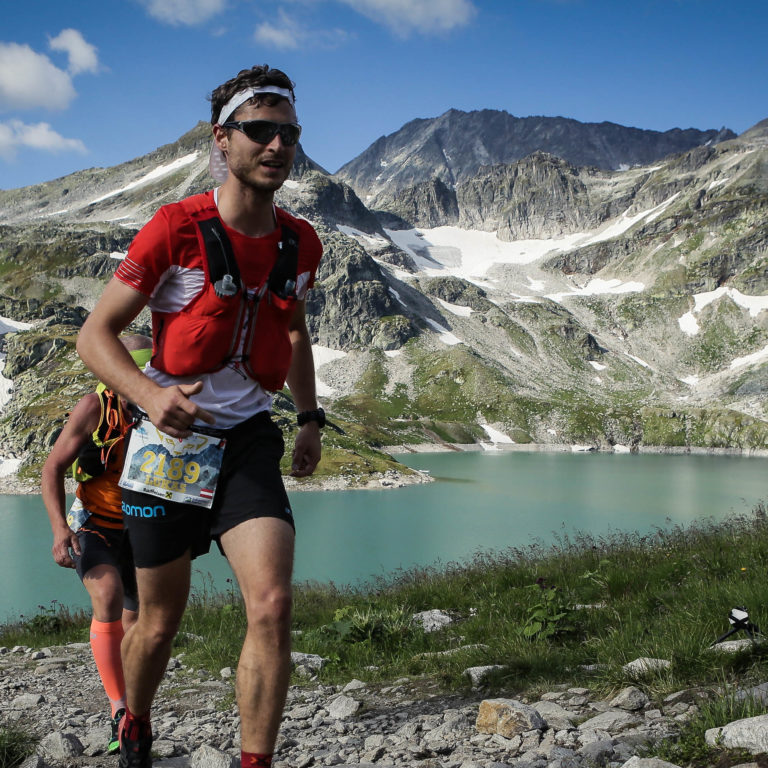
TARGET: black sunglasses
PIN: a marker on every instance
(263, 131)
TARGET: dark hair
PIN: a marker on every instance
(249, 78)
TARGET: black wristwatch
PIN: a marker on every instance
(304, 417)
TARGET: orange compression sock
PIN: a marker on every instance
(106, 637)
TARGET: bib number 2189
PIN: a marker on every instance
(158, 465)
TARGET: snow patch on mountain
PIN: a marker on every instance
(322, 355)
(756, 357)
(496, 436)
(754, 304)
(625, 222)
(6, 385)
(456, 309)
(637, 360)
(394, 293)
(364, 238)
(445, 335)
(598, 286)
(470, 253)
(153, 175)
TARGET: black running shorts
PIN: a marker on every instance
(108, 546)
(250, 486)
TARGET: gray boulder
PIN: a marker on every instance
(508, 717)
(209, 757)
(432, 621)
(343, 707)
(751, 734)
(556, 716)
(478, 675)
(614, 721)
(58, 747)
(644, 666)
(647, 762)
(630, 698)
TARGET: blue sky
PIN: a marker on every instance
(97, 82)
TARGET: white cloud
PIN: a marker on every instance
(423, 16)
(186, 12)
(285, 37)
(15, 135)
(29, 80)
(287, 34)
(82, 55)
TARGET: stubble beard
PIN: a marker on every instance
(249, 178)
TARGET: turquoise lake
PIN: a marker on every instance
(479, 502)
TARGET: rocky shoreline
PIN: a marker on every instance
(11, 484)
(396, 450)
(55, 694)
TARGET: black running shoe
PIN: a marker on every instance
(114, 742)
(135, 744)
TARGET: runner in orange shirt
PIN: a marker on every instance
(90, 537)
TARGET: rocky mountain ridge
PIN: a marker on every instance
(534, 301)
(454, 146)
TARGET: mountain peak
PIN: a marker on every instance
(453, 147)
(757, 131)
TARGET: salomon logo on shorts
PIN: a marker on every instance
(136, 511)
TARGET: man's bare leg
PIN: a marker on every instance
(260, 552)
(163, 593)
(105, 588)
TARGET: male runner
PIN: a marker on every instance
(90, 538)
(225, 275)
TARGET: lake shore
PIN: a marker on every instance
(11, 484)
(396, 450)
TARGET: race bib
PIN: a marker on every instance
(184, 470)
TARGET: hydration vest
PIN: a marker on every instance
(95, 456)
(225, 316)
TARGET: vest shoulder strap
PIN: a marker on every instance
(111, 427)
(92, 460)
(282, 278)
(222, 263)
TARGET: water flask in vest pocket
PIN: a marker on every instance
(77, 516)
(225, 287)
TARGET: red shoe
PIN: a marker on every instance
(135, 744)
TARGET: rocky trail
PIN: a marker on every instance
(55, 693)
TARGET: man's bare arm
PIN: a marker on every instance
(76, 433)
(168, 408)
(301, 380)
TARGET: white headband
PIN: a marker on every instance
(242, 96)
(217, 164)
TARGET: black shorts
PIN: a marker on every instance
(108, 546)
(250, 486)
